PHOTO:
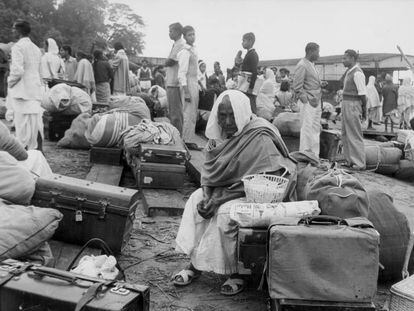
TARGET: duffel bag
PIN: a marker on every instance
(75, 136)
(382, 160)
(405, 170)
(339, 194)
(394, 232)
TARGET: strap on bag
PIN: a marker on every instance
(104, 247)
(14, 270)
(91, 294)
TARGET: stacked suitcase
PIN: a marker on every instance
(159, 166)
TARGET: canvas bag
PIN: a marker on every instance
(310, 259)
(339, 194)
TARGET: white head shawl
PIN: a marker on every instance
(241, 109)
(52, 47)
(372, 94)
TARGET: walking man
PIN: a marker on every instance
(173, 86)
(120, 65)
(188, 79)
(24, 88)
(307, 88)
(353, 109)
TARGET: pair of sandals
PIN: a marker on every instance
(231, 287)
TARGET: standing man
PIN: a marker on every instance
(120, 65)
(249, 64)
(218, 74)
(353, 108)
(24, 87)
(144, 76)
(171, 81)
(188, 79)
(70, 62)
(307, 89)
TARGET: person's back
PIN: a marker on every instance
(390, 97)
(102, 71)
(28, 54)
(121, 71)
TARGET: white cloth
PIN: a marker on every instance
(373, 100)
(359, 80)
(266, 97)
(211, 244)
(311, 128)
(183, 63)
(36, 163)
(24, 79)
(241, 109)
(52, 66)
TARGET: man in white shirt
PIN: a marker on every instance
(188, 79)
(353, 110)
(71, 64)
(24, 88)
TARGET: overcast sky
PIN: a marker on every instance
(282, 28)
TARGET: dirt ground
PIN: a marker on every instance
(150, 259)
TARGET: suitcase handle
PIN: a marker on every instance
(322, 220)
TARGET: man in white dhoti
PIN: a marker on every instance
(24, 88)
(307, 88)
(353, 110)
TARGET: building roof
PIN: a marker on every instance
(363, 58)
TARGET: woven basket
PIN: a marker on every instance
(262, 188)
(402, 295)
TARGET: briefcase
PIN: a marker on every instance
(55, 125)
(168, 154)
(251, 253)
(323, 258)
(158, 175)
(37, 288)
(90, 209)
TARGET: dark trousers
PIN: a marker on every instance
(252, 99)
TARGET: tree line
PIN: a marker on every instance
(83, 24)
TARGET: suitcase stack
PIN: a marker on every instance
(32, 287)
(323, 263)
(159, 166)
(90, 209)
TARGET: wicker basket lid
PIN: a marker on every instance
(404, 288)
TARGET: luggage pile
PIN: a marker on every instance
(328, 250)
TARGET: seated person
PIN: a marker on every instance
(32, 160)
(284, 96)
(239, 144)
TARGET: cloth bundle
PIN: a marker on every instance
(288, 124)
(68, 100)
(98, 267)
(338, 194)
(161, 133)
(383, 160)
(75, 136)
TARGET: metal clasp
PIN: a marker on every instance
(119, 290)
(78, 213)
(102, 212)
(53, 196)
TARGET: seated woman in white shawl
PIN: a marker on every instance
(51, 65)
(240, 144)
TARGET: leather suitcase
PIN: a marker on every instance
(158, 175)
(56, 124)
(330, 145)
(323, 258)
(90, 209)
(168, 154)
(37, 288)
(108, 156)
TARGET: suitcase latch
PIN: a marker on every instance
(119, 290)
(53, 196)
(102, 211)
(78, 213)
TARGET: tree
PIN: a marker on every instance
(122, 24)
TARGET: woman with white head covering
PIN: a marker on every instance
(373, 103)
(406, 100)
(266, 97)
(51, 65)
(202, 76)
(239, 144)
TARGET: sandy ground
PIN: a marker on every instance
(150, 259)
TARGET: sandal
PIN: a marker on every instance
(236, 285)
(187, 277)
